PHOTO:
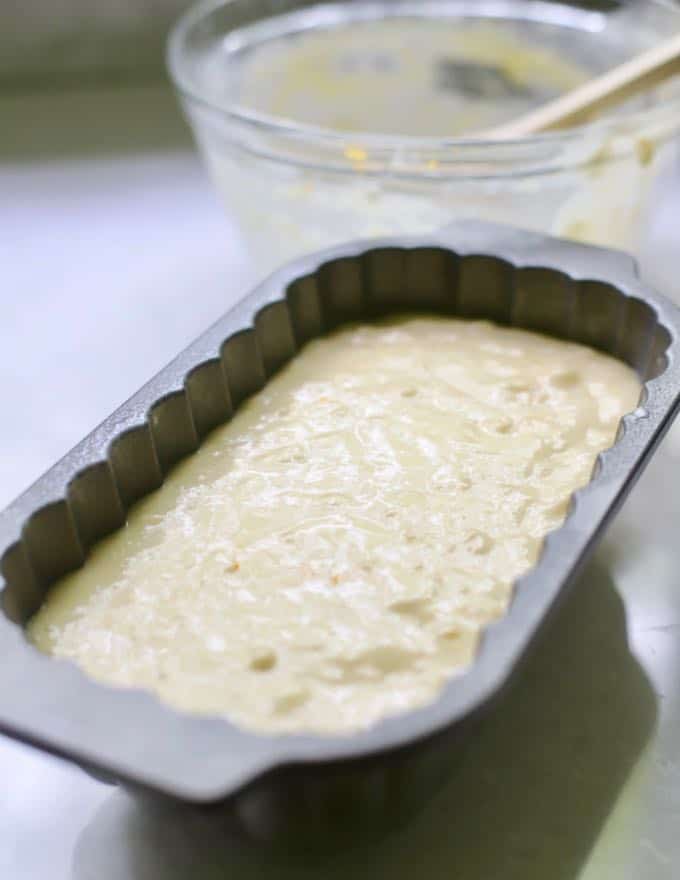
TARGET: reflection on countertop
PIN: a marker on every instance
(528, 799)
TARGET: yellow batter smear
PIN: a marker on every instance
(330, 556)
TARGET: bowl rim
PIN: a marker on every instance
(378, 143)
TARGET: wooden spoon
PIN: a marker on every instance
(630, 78)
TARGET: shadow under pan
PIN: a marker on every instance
(525, 799)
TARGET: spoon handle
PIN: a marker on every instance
(623, 81)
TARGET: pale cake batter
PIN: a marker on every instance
(330, 555)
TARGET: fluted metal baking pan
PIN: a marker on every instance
(470, 269)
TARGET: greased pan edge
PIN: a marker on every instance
(128, 734)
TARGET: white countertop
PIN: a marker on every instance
(114, 253)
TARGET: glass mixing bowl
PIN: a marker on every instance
(327, 121)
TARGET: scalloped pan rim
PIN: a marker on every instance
(53, 705)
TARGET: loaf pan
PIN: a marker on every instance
(470, 269)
